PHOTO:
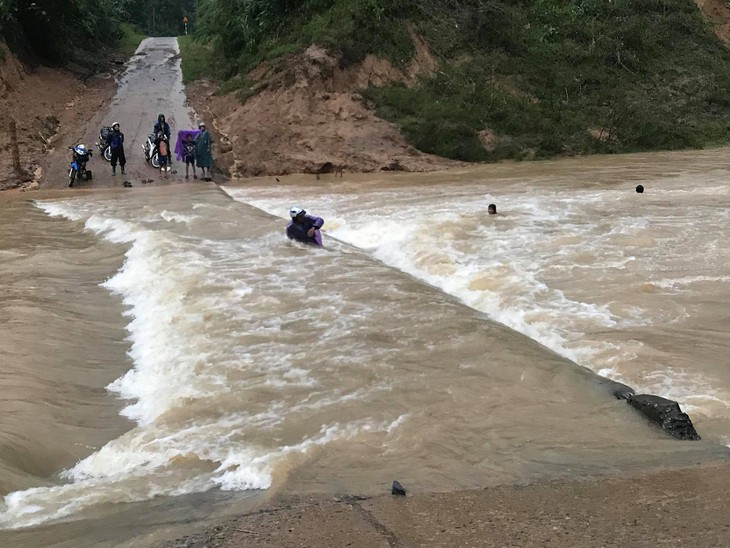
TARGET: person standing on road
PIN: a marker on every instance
(161, 126)
(189, 155)
(203, 144)
(163, 152)
(115, 140)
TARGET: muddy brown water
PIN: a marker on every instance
(170, 358)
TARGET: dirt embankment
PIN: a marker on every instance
(718, 14)
(50, 108)
(309, 117)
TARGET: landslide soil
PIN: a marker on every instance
(51, 108)
(308, 116)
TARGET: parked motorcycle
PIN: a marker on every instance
(103, 144)
(151, 155)
(77, 171)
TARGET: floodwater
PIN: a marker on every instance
(169, 357)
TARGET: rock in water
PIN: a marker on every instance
(666, 413)
(398, 489)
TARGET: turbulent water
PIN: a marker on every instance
(244, 362)
(633, 286)
(168, 356)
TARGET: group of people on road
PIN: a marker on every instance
(194, 148)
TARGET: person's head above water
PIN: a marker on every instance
(296, 211)
(492, 209)
(639, 188)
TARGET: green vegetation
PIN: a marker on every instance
(540, 78)
(160, 17)
(566, 78)
(58, 32)
(131, 38)
(246, 32)
(197, 58)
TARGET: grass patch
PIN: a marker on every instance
(197, 59)
(131, 38)
(547, 78)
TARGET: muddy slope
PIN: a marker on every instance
(310, 117)
(50, 108)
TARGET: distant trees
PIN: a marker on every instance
(160, 17)
(52, 30)
(58, 31)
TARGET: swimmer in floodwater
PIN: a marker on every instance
(304, 228)
(639, 189)
(492, 209)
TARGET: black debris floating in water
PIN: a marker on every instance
(398, 489)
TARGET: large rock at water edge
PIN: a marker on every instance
(666, 413)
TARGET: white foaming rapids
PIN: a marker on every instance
(206, 337)
(519, 266)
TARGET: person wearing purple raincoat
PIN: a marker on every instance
(304, 228)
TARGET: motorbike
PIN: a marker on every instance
(151, 155)
(77, 171)
(103, 144)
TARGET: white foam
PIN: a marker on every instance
(518, 266)
(185, 365)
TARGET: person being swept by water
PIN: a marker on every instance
(115, 140)
(304, 228)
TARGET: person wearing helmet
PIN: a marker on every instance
(304, 228)
(115, 140)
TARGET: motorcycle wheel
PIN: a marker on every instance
(71, 177)
(155, 161)
(108, 154)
